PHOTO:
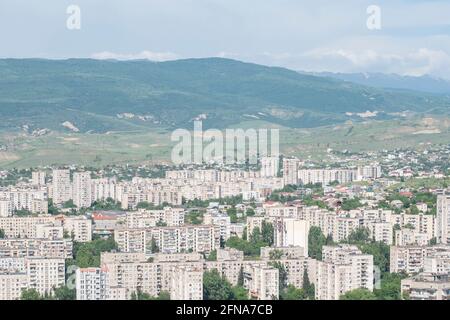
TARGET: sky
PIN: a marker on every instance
(318, 35)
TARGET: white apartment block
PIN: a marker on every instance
(291, 232)
(415, 259)
(6, 208)
(38, 178)
(196, 238)
(78, 227)
(45, 274)
(82, 194)
(186, 284)
(343, 269)
(31, 199)
(12, 264)
(368, 172)
(91, 283)
(49, 231)
(426, 286)
(443, 218)
(222, 221)
(11, 285)
(61, 186)
(262, 282)
(171, 217)
(290, 171)
(410, 237)
(58, 248)
(326, 176)
(24, 227)
(269, 166)
(409, 259)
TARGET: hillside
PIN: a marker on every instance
(101, 96)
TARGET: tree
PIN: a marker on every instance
(316, 240)
(359, 235)
(380, 252)
(292, 293)
(2, 234)
(255, 237)
(163, 295)
(239, 293)
(64, 293)
(240, 281)
(250, 212)
(194, 217)
(87, 254)
(275, 254)
(358, 294)
(69, 204)
(351, 204)
(153, 246)
(139, 295)
(308, 288)
(390, 286)
(30, 294)
(216, 287)
(267, 233)
(212, 256)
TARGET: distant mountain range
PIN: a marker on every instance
(83, 95)
(393, 81)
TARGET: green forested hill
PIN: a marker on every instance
(93, 95)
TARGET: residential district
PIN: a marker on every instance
(362, 226)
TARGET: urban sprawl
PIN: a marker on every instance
(362, 226)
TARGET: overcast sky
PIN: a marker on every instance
(302, 35)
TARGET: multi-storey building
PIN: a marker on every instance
(91, 283)
(82, 192)
(61, 186)
(186, 284)
(45, 274)
(343, 269)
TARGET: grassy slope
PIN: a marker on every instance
(155, 145)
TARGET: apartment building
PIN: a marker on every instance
(61, 186)
(12, 284)
(78, 227)
(49, 248)
(24, 227)
(45, 274)
(196, 238)
(290, 171)
(170, 217)
(38, 178)
(186, 284)
(269, 166)
(443, 218)
(343, 269)
(82, 192)
(426, 286)
(91, 283)
(291, 232)
(262, 282)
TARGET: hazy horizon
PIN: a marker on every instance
(312, 36)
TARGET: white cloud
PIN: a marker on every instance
(415, 63)
(144, 55)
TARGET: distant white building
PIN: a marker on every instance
(91, 283)
(82, 195)
(186, 284)
(61, 186)
(269, 166)
(291, 232)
